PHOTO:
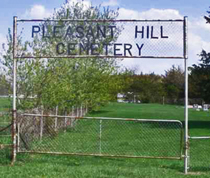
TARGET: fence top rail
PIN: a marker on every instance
(105, 118)
(99, 20)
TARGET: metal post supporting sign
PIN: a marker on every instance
(14, 111)
(186, 156)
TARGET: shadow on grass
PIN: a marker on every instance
(198, 124)
(176, 167)
(98, 112)
(5, 157)
(196, 170)
(203, 169)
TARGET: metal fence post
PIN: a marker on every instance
(186, 160)
(14, 111)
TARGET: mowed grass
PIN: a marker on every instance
(77, 166)
(199, 121)
(149, 111)
(5, 104)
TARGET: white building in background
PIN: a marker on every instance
(120, 98)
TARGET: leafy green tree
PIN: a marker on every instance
(200, 78)
(199, 75)
(173, 82)
(5, 87)
(64, 82)
(6, 61)
(147, 88)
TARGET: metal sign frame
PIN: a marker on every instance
(149, 35)
(185, 57)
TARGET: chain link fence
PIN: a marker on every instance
(100, 136)
(199, 155)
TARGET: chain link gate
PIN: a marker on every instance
(111, 137)
(100, 39)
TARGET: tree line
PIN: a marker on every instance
(170, 87)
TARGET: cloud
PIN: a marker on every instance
(199, 24)
(86, 3)
(150, 14)
(110, 3)
(161, 14)
(37, 12)
(2, 38)
(198, 38)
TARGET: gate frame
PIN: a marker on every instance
(111, 119)
(185, 57)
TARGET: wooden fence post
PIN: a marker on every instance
(65, 121)
(56, 119)
(81, 111)
(41, 123)
(72, 114)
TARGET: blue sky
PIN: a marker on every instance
(199, 31)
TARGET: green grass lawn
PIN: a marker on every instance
(5, 104)
(81, 166)
(149, 111)
(199, 121)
